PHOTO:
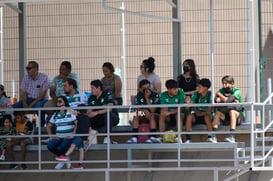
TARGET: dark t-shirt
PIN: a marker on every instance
(83, 125)
(188, 84)
(103, 100)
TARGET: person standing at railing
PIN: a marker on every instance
(23, 128)
(112, 82)
(147, 72)
(232, 115)
(66, 123)
(169, 115)
(98, 117)
(34, 89)
(199, 115)
(145, 97)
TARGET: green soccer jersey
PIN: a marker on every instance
(140, 100)
(197, 98)
(103, 100)
(235, 92)
(178, 99)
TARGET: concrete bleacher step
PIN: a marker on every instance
(266, 138)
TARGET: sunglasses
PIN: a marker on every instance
(29, 68)
(59, 101)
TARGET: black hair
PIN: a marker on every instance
(34, 64)
(143, 82)
(72, 82)
(2, 89)
(67, 65)
(150, 64)
(191, 64)
(109, 66)
(171, 83)
(228, 78)
(97, 83)
(7, 116)
(205, 82)
(82, 111)
(18, 113)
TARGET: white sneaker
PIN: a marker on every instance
(105, 141)
(45, 141)
(177, 140)
(155, 140)
(132, 140)
(230, 139)
(68, 163)
(59, 166)
(2, 157)
(188, 141)
(212, 139)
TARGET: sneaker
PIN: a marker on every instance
(212, 139)
(61, 158)
(45, 141)
(177, 140)
(2, 157)
(59, 166)
(230, 139)
(13, 166)
(155, 140)
(149, 141)
(188, 141)
(23, 166)
(132, 140)
(105, 141)
(68, 163)
(77, 166)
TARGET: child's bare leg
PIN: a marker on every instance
(70, 150)
(81, 154)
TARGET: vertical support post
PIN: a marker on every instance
(1, 46)
(177, 54)
(123, 54)
(215, 175)
(269, 85)
(22, 40)
(212, 49)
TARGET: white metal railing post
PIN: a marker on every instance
(107, 175)
(252, 137)
(269, 89)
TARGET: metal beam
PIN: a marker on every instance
(17, 10)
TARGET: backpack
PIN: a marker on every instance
(143, 128)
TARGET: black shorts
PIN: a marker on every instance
(199, 120)
(239, 120)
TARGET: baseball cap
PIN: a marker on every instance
(205, 83)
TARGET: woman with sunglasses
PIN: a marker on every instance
(66, 123)
(4, 102)
(147, 72)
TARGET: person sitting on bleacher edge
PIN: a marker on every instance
(145, 97)
(98, 117)
(199, 115)
(229, 114)
(173, 95)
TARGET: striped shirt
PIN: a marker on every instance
(65, 124)
(76, 99)
(34, 87)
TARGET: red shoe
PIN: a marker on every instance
(62, 158)
(78, 166)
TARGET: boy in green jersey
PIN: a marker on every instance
(199, 115)
(228, 115)
(173, 95)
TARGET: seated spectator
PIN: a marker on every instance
(23, 127)
(73, 96)
(83, 127)
(112, 82)
(34, 88)
(66, 124)
(199, 115)
(173, 95)
(232, 115)
(6, 130)
(98, 117)
(145, 97)
(4, 102)
(188, 81)
(57, 84)
(147, 72)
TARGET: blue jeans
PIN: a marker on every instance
(78, 142)
(37, 105)
(59, 146)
